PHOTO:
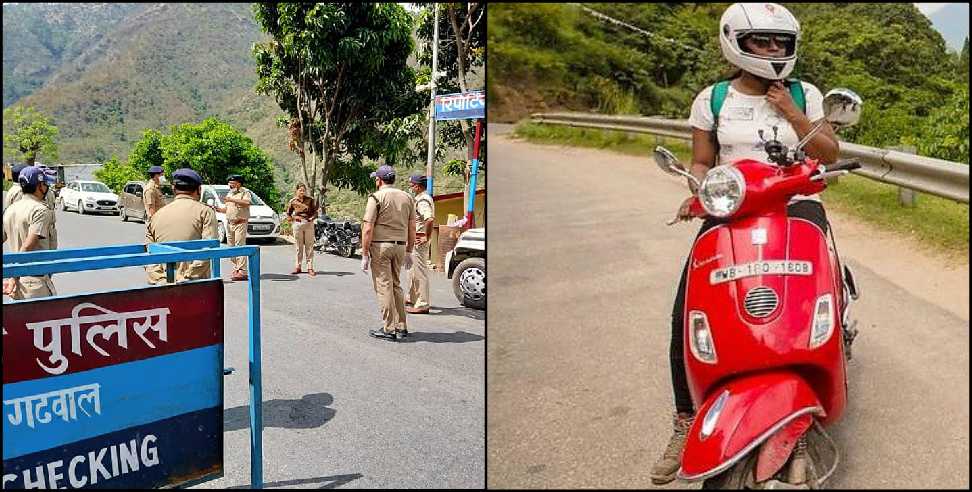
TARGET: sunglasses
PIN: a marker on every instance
(763, 40)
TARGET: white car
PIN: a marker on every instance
(88, 197)
(264, 222)
(466, 266)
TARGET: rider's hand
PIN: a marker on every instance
(683, 210)
(365, 260)
(780, 98)
(9, 285)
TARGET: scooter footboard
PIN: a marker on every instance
(740, 415)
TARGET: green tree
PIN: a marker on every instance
(28, 133)
(115, 174)
(340, 72)
(964, 62)
(462, 47)
(147, 151)
(215, 149)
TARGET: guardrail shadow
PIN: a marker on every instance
(306, 413)
(332, 482)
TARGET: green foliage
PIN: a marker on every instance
(339, 71)
(115, 174)
(147, 151)
(28, 134)
(945, 134)
(963, 65)
(556, 56)
(214, 149)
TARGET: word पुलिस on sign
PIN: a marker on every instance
(136, 401)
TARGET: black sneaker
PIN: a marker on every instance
(403, 333)
(382, 334)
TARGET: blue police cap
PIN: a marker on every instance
(15, 172)
(419, 179)
(186, 177)
(155, 170)
(384, 172)
(31, 176)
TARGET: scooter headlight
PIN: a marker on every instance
(823, 321)
(722, 191)
(700, 338)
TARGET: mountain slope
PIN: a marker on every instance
(154, 66)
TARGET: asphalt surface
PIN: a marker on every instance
(340, 409)
(582, 287)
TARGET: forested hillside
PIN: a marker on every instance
(557, 56)
(115, 71)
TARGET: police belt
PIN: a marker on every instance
(396, 242)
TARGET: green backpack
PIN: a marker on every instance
(720, 89)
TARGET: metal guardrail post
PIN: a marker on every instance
(906, 196)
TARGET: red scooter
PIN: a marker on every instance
(766, 327)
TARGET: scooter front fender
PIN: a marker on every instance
(741, 414)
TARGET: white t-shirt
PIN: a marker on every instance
(741, 118)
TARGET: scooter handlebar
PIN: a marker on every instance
(845, 165)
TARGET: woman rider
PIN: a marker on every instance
(761, 41)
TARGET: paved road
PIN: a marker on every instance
(577, 366)
(340, 408)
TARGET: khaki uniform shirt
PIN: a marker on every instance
(305, 209)
(424, 210)
(389, 209)
(184, 219)
(15, 193)
(152, 197)
(26, 216)
(236, 213)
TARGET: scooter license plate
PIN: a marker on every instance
(778, 267)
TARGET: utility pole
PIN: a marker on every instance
(434, 76)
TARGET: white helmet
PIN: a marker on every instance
(743, 19)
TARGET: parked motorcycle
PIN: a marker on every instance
(766, 320)
(341, 237)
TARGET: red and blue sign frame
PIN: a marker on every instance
(122, 388)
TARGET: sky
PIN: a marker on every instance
(930, 8)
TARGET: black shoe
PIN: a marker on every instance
(382, 334)
(402, 333)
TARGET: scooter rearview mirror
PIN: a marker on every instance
(667, 161)
(842, 107)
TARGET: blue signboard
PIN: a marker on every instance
(114, 390)
(461, 106)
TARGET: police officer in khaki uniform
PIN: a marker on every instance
(27, 225)
(302, 212)
(152, 196)
(237, 212)
(184, 219)
(418, 292)
(388, 237)
(14, 193)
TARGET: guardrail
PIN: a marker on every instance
(937, 177)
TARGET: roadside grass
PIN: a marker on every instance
(935, 224)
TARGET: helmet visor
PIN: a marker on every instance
(768, 44)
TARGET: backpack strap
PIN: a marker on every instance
(796, 92)
(719, 92)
